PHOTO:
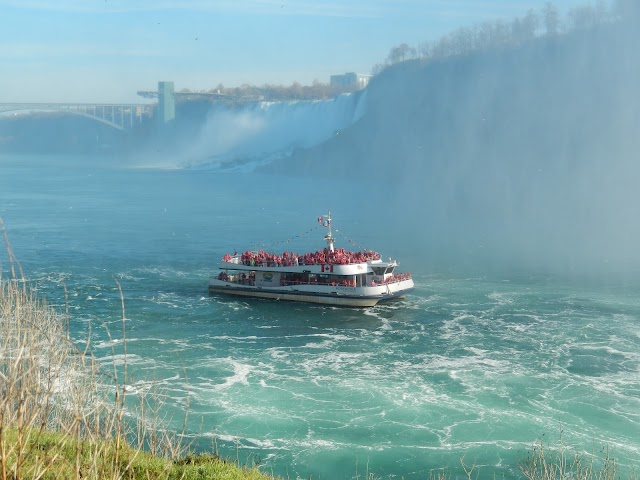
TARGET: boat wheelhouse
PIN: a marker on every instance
(329, 276)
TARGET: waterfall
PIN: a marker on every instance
(257, 132)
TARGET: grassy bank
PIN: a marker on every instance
(62, 414)
(57, 455)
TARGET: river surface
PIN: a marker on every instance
(468, 367)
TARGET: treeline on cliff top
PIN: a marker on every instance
(487, 35)
(501, 33)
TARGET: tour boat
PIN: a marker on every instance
(328, 276)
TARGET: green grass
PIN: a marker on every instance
(58, 456)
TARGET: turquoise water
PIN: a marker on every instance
(469, 365)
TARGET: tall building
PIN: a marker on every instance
(166, 102)
(350, 80)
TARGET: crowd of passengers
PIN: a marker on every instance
(288, 259)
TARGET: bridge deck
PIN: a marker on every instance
(120, 116)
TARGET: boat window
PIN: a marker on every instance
(378, 270)
(295, 278)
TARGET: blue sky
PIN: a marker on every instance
(106, 50)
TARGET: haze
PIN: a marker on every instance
(505, 142)
(104, 51)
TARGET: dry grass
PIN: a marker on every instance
(62, 414)
(562, 463)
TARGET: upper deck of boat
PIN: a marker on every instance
(236, 263)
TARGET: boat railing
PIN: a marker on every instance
(394, 278)
(376, 282)
(333, 283)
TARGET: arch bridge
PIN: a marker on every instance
(119, 116)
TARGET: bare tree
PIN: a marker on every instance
(401, 53)
(524, 29)
(627, 9)
(583, 17)
(296, 90)
(485, 36)
(424, 50)
(531, 23)
(501, 33)
(551, 19)
(463, 41)
(378, 68)
(443, 48)
(394, 55)
(603, 13)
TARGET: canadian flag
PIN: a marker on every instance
(327, 268)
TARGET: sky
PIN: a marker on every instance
(104, 51)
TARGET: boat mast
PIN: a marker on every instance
(329, 236)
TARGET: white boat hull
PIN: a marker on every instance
(329, 295)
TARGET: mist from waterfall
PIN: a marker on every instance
(522, 157)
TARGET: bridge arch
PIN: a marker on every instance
(120, 117)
